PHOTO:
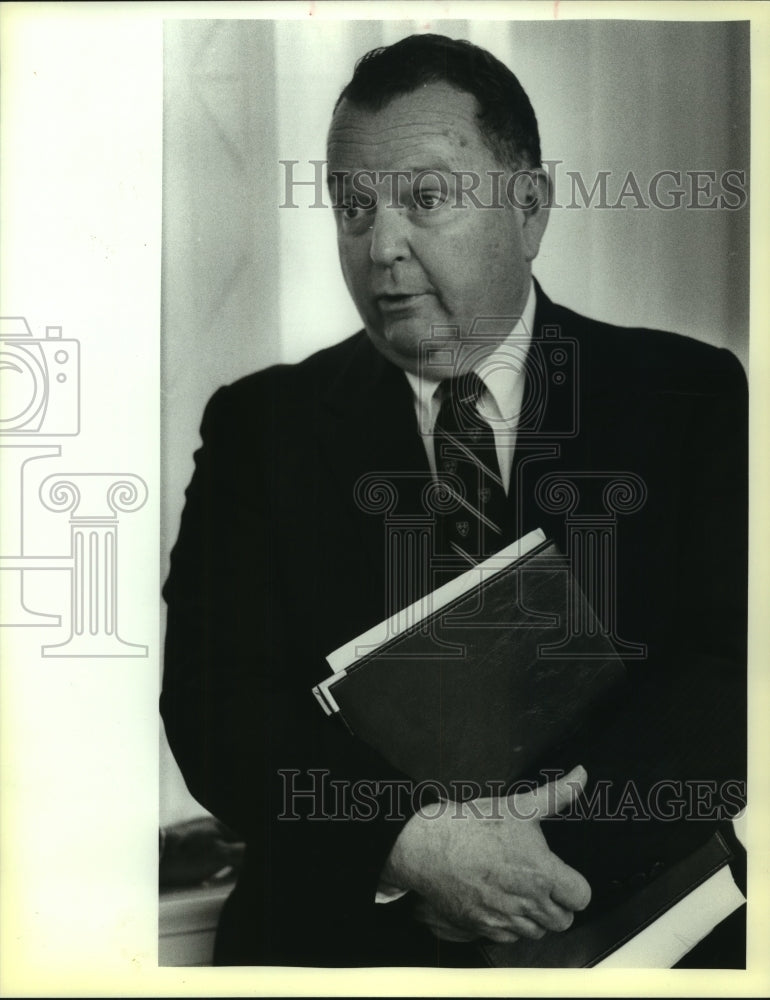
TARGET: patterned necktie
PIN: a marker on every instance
(467, 466)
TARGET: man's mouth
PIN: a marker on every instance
(397, 302)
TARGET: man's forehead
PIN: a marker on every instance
(437, 115)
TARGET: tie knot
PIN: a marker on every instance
(464, 390)
(459, 397)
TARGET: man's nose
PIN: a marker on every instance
(389, 235)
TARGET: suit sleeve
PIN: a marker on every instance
(251, 742)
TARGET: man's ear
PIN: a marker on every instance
(532, 196)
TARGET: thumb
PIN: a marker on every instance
(553, 797)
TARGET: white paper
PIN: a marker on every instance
(363, 644)
(671, 936)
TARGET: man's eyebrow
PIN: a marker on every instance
(437, 166)
(345, 173)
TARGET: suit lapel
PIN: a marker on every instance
(367, 419)
(549, 437)
(374, 469)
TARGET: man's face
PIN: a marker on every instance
(421, 255)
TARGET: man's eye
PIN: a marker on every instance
(429, 198)
(355, 208)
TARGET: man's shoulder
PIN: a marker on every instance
(641, 359)
(311, 373)
(290, 386)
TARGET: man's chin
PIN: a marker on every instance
(417, 351)
(401, 353)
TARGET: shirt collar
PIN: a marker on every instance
(502, 373)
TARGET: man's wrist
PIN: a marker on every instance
(404, 865)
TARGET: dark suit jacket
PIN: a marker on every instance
(277, 564)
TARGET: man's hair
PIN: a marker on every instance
(506, 118)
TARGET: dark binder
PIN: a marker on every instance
(587, 944)
(480, 689)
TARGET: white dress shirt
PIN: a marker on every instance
(502, 373)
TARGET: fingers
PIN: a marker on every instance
(526, 928)
(447, 932)
(551, 915)
(569, 888)
(512, 929)
(225, 833)
(230, 853)
(498, 929)
(553, 797)
(500, 935)
(496, 926)
(533, 916)
(536, 899)
(521, 918)
(440, 925)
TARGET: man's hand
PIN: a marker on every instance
(198, 850)
(484, 869)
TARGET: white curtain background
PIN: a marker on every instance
(247, 284)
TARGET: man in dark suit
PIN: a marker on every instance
(637, 433)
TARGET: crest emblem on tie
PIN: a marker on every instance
(484, 494)
(450, 466)
(462, 528)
